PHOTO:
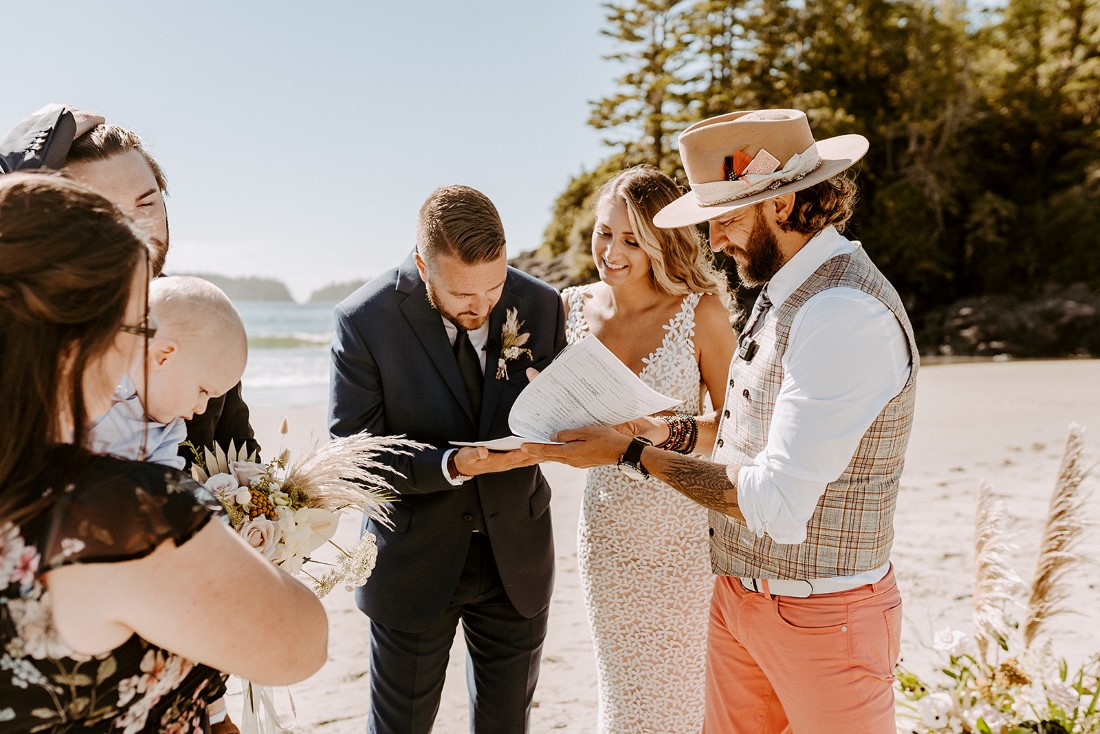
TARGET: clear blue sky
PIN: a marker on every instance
(300, 138)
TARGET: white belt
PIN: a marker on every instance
(801, 588)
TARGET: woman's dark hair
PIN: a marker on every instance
(67, 260)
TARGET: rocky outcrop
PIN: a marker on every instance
(1062, 323)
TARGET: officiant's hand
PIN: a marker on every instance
(583, 447)
(474, 460)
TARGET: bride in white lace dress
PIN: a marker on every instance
(642, 547)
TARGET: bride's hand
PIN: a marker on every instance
(654, 429)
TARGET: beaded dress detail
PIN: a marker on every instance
(645, 565)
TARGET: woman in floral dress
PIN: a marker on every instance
(645, 565)
(119, 600)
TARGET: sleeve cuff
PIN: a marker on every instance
(447, 473)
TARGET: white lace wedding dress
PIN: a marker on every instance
(645, 566)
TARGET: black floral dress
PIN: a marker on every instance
(115, 511)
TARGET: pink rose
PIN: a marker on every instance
(262, 534)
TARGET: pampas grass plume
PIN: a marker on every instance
(1061, 534)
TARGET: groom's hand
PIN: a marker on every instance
(474, 460)
(583, 447)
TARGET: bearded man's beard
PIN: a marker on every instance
(763, 258)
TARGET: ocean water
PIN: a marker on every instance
(288, 356)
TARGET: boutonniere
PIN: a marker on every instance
(511, 342)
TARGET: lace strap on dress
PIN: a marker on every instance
(575, 325)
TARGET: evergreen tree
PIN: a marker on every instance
(651, 106)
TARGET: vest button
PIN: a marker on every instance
(721, 443)
(726, 413)
(468, 517)
(745, 392)
(711, 531)
(731, 383)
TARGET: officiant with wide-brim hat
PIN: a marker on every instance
(805, 617)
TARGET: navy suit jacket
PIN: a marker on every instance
(394, 372)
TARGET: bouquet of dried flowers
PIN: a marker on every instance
(287, 511)
(999, 681)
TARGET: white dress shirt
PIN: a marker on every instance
(479, 338)
(847, 356)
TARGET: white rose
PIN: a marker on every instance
(221, 485)
(263, 535)
(246, 472)
(949, 641)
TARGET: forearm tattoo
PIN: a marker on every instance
(701, 481)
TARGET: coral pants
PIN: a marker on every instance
(817, 665)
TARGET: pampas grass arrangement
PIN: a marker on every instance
(996, 584)
(1018, 685)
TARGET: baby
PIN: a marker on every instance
(198, 352)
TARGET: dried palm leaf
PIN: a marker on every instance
(1061, 534)
(995, 583)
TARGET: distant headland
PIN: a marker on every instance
(273, 290)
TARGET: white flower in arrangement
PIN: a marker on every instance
(221, 485)
(303, 531)
(952, 642)
(993, 719)
(935, 709)
(247, 472)
(263, 535)
(1063, 695)
(354, 566)
(242, 497)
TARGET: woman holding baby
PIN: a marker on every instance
(120, 600)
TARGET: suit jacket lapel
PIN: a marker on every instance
(427, 324)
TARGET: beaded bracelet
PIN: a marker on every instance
(683, 433)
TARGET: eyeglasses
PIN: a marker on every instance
(148, 329)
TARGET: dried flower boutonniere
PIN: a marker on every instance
(511, 342)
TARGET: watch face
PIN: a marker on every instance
(633, 472)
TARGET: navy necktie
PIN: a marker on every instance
(470, 366)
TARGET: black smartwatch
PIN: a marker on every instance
(630, 463)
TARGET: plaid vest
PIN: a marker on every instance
(851, 529)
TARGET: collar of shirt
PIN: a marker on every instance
(825, 244)
(478, 337)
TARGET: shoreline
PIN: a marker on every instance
(1004, 422)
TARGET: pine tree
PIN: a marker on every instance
(643, 117)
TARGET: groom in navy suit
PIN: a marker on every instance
(418, 351)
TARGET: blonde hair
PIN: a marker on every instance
(680, 263)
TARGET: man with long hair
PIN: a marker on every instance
(808, 451)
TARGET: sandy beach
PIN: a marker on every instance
(1004, 423)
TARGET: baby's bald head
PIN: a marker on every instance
(199, 350)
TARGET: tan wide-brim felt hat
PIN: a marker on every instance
(742, 158)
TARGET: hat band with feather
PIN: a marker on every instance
(747, 184)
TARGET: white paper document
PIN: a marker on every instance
(585, 385)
